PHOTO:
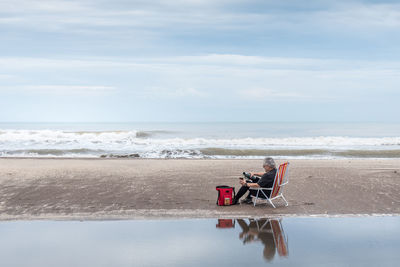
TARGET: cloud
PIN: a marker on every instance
(7, 77)
(214, 16)
(201, 76)
(59, 89)
(55, 15)
(262, 94)
(189, 92)
(211, 60)
(27, 6)
(170, 92)
(362, 16)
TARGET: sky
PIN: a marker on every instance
(199, 60)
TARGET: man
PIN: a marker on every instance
(266, 181)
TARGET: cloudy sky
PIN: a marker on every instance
(199, 60)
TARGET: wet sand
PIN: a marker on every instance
(86, 189)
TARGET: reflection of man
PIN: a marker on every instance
(252, 232)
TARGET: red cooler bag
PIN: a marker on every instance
(226, 194)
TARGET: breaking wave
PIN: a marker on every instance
(163, 144)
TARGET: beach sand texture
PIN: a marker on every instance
(85, 189)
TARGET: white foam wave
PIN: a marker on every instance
(120, 142)
(131, 137)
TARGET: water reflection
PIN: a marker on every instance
(269, 232)
(363, 241)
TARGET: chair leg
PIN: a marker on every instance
(255, 199)
(271, 203)
(287, 204)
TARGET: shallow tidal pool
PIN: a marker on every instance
(348, 241)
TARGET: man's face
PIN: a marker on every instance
(267, 168)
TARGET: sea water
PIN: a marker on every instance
(357, 241)
(201, 140)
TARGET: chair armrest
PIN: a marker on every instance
(260, 188)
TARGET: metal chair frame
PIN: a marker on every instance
(282, 181)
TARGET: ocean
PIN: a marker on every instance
(241, 140)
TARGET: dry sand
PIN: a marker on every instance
(87, 189)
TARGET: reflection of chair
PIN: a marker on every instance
(281, 179)
(281, 241)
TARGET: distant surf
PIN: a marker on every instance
(170, 144)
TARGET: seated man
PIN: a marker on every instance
(266, 181)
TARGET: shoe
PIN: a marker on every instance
(247, 201)
(250, 201)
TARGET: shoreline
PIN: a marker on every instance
(277, 159)
(124, 189)
(156, 215)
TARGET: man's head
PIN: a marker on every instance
(269, 164)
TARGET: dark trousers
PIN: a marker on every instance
(243, 191)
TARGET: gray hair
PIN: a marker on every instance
(268, 161)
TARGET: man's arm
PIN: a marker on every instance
(257, 173)
(243, 182)
(255, 185)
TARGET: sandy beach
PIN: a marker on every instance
(86, 189)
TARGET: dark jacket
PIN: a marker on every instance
(267, 181)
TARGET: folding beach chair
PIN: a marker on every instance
(281, 179)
